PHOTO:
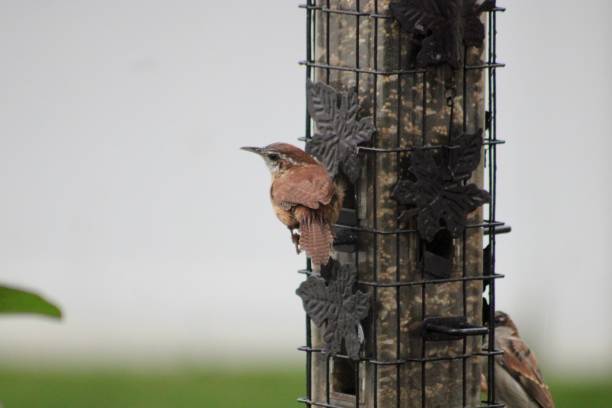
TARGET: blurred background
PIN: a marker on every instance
(126, 200)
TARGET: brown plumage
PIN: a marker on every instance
(304, 198)
(518, 380)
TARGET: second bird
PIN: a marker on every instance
(304, 198)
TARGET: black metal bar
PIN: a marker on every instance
(328, 77)
(421, 246)
(309, 56)
(425, 282)
(412, 360)
(365, 14)
(357, 386)
(349, 240)
(379, 150)
(327, 42)
(490, 66)
(505, 229)
(310, 402)
(368, 149)
(356, 189)
(463, 246)
(470, 331)
(308, 358)
(308, 69)
(486, 224)
(376, 71)
(491, 397)
(397, 226)
(356, 13)
(422, 282)
(436, 281)
(375, 207)
(327, 375)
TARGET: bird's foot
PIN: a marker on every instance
(295, 238)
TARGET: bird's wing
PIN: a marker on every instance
(309, 186)
(521, 363)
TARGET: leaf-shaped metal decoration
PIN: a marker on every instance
(442, 27)
(434, 187)
(463, 157)
(336, 307)
(339, 129)
(473, 29)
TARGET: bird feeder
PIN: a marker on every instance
(401, 109)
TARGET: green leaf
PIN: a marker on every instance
(17, 301)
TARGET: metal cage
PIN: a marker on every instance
(386, 372)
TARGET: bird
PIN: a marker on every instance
(518, 380)
(304, 197)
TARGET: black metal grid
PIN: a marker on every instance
(490, 227)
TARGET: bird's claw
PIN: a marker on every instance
(295, 238)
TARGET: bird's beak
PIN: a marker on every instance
(256, 150)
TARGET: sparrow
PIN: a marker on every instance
(518, 380)
(304, 198)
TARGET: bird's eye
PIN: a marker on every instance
(274, 157)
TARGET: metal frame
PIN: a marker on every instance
(490, 227)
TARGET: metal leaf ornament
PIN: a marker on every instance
(336, 307)
(434, 187)
(339, 130)
(442, 27)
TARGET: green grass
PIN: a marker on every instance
(582, 394)
(198, 388)
(116, 389)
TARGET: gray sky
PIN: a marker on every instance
(126, 199)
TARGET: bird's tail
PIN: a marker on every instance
(316, 238)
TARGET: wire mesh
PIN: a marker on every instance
(490, 227)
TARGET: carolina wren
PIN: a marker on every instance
(304, 198)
